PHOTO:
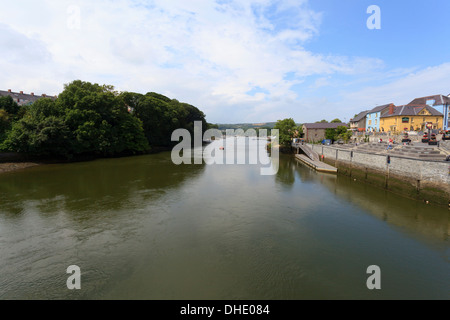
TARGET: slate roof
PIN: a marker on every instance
(360, 116)
(410, 110)
(439, 100)
(23, 96)
(380, 108)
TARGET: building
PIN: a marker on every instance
(410, 118)
(440, 102)
(374, 117)
(314, 132)
(23, 99)
(359, 122)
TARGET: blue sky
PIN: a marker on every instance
(238, 61)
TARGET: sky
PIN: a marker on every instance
(237, 60)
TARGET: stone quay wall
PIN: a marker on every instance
(418, 179)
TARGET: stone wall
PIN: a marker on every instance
(418, 179)
(314, 135)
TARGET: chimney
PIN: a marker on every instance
(391, 109)
(21, 92)
(44, 95)
(9, 90)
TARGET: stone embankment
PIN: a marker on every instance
(418, 173)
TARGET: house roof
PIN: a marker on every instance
(410, 110)
(380, 108)
(324, 125)
(438, 98)
(23, 96)
(360, 116)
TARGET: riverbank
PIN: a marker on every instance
(11, 166)
(10, 161)
(14, 161)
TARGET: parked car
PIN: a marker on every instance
(339, 142)
(446, 135)
(326, 142)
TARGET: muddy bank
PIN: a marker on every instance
(14, 161)
(13, 166)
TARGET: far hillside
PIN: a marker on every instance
(246, 126)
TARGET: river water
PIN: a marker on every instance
(144, 228)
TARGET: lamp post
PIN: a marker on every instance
(446, 115)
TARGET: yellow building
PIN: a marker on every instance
(410, 118)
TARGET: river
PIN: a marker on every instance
(144, 228)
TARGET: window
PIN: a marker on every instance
(376, 121)
(370, 122)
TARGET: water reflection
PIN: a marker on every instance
(93, 187)
(143, 228)
(286, 171)
(411, 216)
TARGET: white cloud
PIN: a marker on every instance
(429, 81)
(399, 90)
(210, 54)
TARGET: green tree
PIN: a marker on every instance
(99, 120)
(160, 116)
(288, 130)
(343, 133)
(330, 134)
(85, 119)
(9, 105)
(4, 126)
(322, 121)
(39, 136)
(336, 121)
(340, 132)
(90, 118)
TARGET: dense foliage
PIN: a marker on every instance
(9, 113)
(161, 116)
(340, 133)
(288, 130)
(92, 119)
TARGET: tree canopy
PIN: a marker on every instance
(288, 130)
(340, 132)
(94, 119)
(161, 116)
